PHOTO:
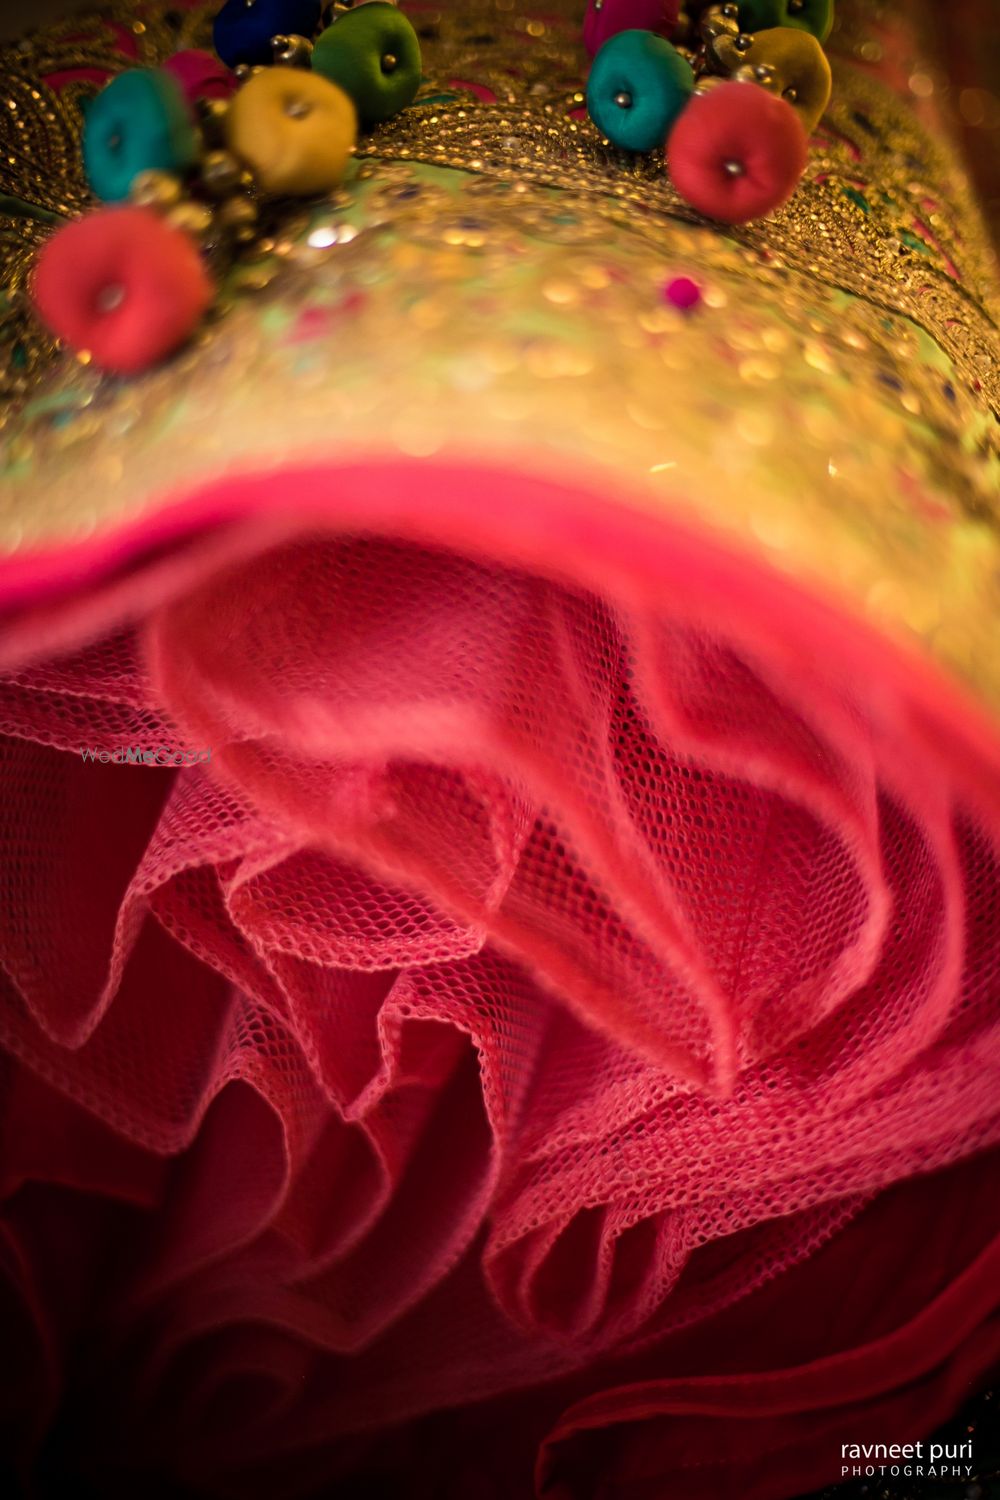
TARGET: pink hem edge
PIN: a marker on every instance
(565, 529)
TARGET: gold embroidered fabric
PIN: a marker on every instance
(489, 285)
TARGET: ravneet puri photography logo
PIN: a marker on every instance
(139, 755)
(921, 1460)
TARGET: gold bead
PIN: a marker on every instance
(292, 51)
(213, 120)
(720, 20)
(221, 173)
(238, 215)
(158, 190)
(757, 73)
(193, 218)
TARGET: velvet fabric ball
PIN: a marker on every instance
(200, 75)
(140, 122)
(801, 71)
(373, 54)
(737, 153)
(815, 16)
(122, 284)
(242, 33)
(637, 87)
(294, 130)
(606, 18)
(756, 15)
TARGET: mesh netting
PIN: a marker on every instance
(524, 983)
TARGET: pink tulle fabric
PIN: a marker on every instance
(556, 1026)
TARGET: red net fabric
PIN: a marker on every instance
(525, 987)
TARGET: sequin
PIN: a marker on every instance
(683, 293)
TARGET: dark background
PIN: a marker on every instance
(17, 15)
